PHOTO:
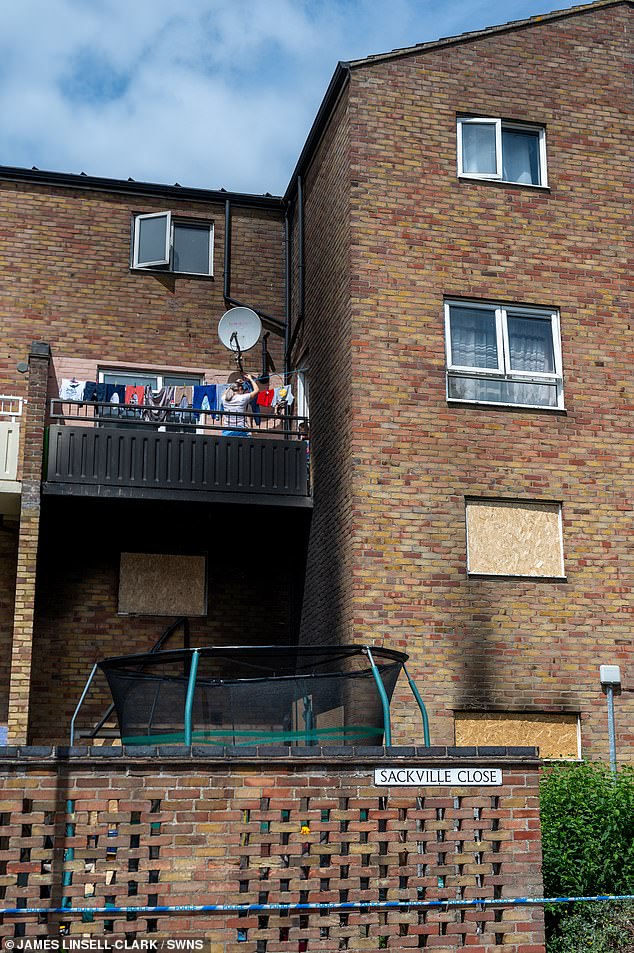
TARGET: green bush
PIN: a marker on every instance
(595, 928)
(587, 816)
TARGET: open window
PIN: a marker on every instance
(164, 243)
(503, 355)
(504, 151)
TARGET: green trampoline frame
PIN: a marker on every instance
(349, 734)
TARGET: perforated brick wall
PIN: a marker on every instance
(235, 829)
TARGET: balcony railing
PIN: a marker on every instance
(134, 451)
(10, 413)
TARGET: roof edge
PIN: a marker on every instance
(71, 180)
(337, 83)
(486, 32)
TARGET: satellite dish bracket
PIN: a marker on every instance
(236, 347)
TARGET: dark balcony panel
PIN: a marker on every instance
(167, 465)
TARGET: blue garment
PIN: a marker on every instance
(202, 391)
(115, 394)
(118, 389)
(90, 390)
(236, 433)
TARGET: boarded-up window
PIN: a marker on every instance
(160, 584)
(556, 736)
(505, 538)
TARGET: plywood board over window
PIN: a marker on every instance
(508, 538)
(162, 584)
(556, 735)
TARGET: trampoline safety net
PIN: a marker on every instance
(247, 695)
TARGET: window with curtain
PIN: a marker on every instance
(495, 149)
(504, 355)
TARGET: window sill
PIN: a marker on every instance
(515, 576)
(517, 185)
(171, 274)
(504, 406)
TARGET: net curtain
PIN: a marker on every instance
(474, 341)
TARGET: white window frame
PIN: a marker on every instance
(192, 379)
(302, 391)
(504, 371)
(500, 124)
(167, 262)
(136, 263)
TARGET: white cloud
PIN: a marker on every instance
(210, 93)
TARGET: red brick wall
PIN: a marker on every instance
(76, 625)
(418, 233)
(28, 542)
(325, 346)
(68, 254)
(238, 830)
(8, 559)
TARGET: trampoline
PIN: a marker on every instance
(256, 695)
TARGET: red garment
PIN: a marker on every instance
(134, 395)
(265, 397)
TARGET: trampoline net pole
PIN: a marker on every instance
(421, 705)
(80, 703)
(189, 701)
(387, 728)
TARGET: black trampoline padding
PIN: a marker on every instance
(246, 695)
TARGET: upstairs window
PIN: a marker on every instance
(148, 378)
(503, 355)
(162, 243)
(503, 151)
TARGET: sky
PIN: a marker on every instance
(207, 93)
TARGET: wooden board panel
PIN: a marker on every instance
(556, 736)
(514, 539)
(162, 584)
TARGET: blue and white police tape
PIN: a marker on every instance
(347, 905)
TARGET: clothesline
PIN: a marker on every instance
(284, 374)
(140, 400)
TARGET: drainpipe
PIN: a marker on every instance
(227, 271)
(300, 265)
(279, 327)
(287, 291)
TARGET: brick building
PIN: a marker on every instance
(449, 274)
(468, 233)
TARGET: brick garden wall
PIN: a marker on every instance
(418, 234)
(227, 828)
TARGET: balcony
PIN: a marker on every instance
(10, 414)
(114, 450)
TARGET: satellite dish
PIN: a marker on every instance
(239, 329)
